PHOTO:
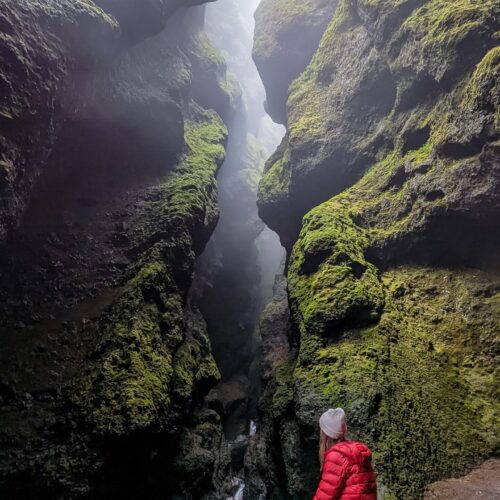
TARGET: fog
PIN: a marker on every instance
(235, 274)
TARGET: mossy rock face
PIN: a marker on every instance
(281, 55)
(203, 461)
(380, 68)
(147, 367)
(413, 384)
(42, 43)
(129, 361)
(152, 360)
(331, 283)
(83, 73)
(386, 191)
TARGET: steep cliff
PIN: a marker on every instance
(109, 154)
(287, 34)
(386, 191)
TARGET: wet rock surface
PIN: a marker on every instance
(385, 191)
(106, 207)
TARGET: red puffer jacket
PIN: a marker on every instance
(347, 473)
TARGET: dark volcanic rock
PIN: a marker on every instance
(41, 51)
(271, 468)
(113, 162)
(138, 19)
(386, 191)
(287, 34)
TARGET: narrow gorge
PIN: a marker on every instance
(219, 218)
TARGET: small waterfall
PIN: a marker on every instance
(240, 485)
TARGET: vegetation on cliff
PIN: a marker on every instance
(413, 383)
(366, 94)
(385, 189)
(280, 55)
(144, 349)
(101, 354)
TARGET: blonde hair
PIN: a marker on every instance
(325, 443)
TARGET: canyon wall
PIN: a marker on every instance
(112, 131)
(120, 375)
(385, 191)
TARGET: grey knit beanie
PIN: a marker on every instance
(333, 423)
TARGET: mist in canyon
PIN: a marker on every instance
(234, 276)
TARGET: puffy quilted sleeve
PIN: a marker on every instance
(333, 477)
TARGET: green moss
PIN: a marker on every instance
(444, 25)
(192, 189)
(307, 119)
(275, 181)
(330, 281)
(308, 111)
(193, 361)
(131, 386)
(482, 84)
(382, 3)
(283, 397)
(473, 109)
(413, 384)
(442, 28)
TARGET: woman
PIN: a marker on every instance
(346, 466)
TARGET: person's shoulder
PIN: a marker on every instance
(351, 445)
(336, 455)
(353, 451)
